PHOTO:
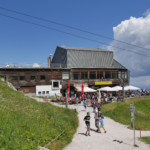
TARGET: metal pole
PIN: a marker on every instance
(123, 91)
(122, 84)
(66, 100)
(134, 128)
(99, 100)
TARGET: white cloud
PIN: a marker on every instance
(141, 82)
(35, 65)
(147, 12)
(135, 31)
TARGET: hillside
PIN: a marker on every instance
(26, 124)
(119, 112)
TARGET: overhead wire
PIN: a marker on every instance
(74, 28)
(71, 34)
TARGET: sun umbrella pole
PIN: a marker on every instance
(99, 96)
(123, 92)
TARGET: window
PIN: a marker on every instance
(22, 77)
(47, 92)
(43, 92)
(123, 75)
(114, 75)
(42, 77)
(76, 75)
(84, 75)
(100, 75)
(92, 75)
(14, 78)
(32, 77)
(39, 92)
(55, 84)
(65, 75)
(107, 75)
(119, 75)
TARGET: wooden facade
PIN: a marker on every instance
(91, 82)
(26, 79)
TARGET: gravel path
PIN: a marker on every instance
(118, 136)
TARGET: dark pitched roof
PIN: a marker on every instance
(118, 65)
(73, 57)
(83, 49)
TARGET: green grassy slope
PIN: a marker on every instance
(26, 124)
(145, 139)
(119, 112)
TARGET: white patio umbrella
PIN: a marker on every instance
(106, 89)
(117, 88)
(86, 89)
(130, 87)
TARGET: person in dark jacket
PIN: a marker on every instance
(87, 122)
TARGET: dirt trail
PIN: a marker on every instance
(118, 136)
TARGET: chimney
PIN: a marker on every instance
(49, 60)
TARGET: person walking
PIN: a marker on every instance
(84, 104)
(97, 119)
(87, 122)
(102, 123)
(94, 104)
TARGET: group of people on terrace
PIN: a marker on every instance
(106, 97)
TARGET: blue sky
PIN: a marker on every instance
(23, 43)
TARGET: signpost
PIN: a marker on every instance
(132, 109)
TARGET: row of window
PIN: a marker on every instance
(42, 77)
(82, 76)
(98, 75)
(55, 84)
(43, 92)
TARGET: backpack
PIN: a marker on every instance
(99, 114)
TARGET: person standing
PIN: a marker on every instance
(99, 106)
(77, 100)
(87, 122)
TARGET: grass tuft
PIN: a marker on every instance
(145, 139)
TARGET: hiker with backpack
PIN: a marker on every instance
(87, 122)
(97, 119)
